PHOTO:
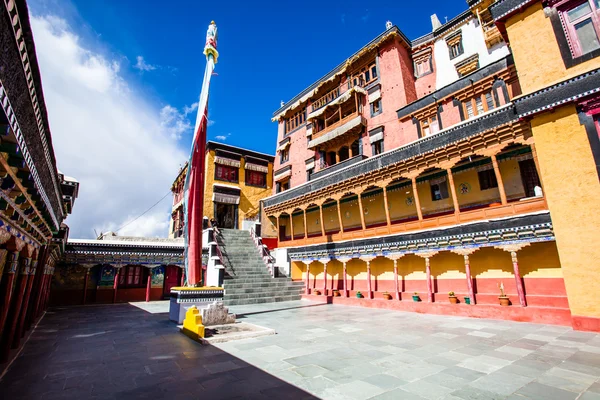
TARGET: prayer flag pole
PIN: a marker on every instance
(193, 203)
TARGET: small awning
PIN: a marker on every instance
(309, 130)
(227, 161)
(374, 96)
(283, 174)
(226, 198)
(256, 167)
(376, 137)
(284, 146)
(310, 165)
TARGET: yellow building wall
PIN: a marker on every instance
(539, 64)
(374, 209)
(313, 221)
(350, 214)
(331, 220)
(397, 203)
(429, 206)
(572, 190)
(250, 196)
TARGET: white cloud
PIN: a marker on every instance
(143, 66)
(173, 122)
(223, 137)
(193, 107)
(106, 135)
(210, 122)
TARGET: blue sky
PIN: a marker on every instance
(270, 51)
(120, 79)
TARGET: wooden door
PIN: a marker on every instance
(172, 278)
(529, 177)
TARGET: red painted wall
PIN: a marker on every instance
(540, 292)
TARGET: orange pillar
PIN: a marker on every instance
(116, 284)
(148, 285)
(417, 201)
(499, 180)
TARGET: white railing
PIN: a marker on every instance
(264, 252)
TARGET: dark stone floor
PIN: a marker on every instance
(122, 352)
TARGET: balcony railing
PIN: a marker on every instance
(334, 94)
(525, 206)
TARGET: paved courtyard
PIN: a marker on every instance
(326, 351)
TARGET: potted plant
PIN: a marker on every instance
(452, 297)
(504, 300)
(359, 295)
(316, 292)
(416, 296)
(387, 296)
(336, 293)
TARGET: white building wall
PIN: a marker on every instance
(473, 42)
(282, 260)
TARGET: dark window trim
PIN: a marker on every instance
(457, 103)
(590, 127)
(237, 176)
(563, 43)
(246, 174)
(123, 275)
(380, 107)
(418, 124)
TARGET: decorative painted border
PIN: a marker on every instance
(528, 233)
(11, 8)
(16, 232)
(14, 124)
(6, 198)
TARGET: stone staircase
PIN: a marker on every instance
(247, 280)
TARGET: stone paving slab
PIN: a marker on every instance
(319, 351)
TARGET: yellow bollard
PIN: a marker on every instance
(192, 324)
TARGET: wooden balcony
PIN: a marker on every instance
(515, 208)
(338, 130)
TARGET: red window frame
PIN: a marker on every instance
(226, 173)
(256, 178)
(569, 26)
(131, 276)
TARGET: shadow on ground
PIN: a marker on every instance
(122, 352)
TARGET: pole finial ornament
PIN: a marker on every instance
(210, 48)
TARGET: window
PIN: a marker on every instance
(480, 104)
(283, 186)
(376, 108)
(423, 67)
(284, 155)
(439, 190)
(429, 126)
(309, 173)
(226, 173)
(295, 121)
(581, 21)
(377, 147)
(256, 178)
(131, 276)
(487, 179)
(366, 75)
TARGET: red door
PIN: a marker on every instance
(172, 277)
